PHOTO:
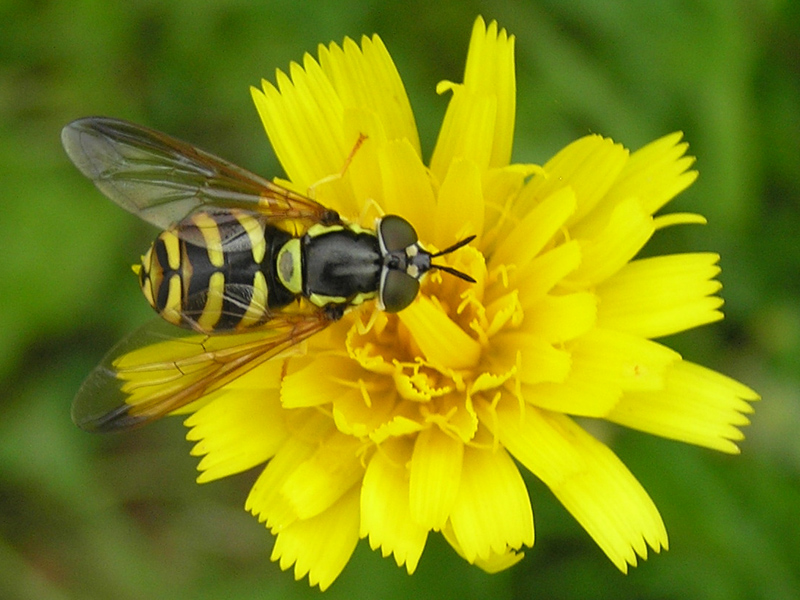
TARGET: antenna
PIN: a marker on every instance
(451, 270)
(454, 247)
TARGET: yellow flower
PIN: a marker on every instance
(388, 427)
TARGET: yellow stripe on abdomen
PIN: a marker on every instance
(213, 242)
(172, 308)
(212, 311)
(256, 234)
(173, 248)
(258, 303)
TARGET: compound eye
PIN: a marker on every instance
(396, 233)
(398, 290)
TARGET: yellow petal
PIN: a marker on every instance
(460, 205)
(304, 124)
(586, 477)
(265, 500)
(557, 319)
(454, 414)
(590, 166)
(434, 478)
(671, 219)
(321, 546)
(500, 188)
(662, 295)
(407, 188)
(536, 229)
(696, 406)
(366, 78)
(314, 118)
(385, 514)
(325, 476)
(479, 122)
(539, 361)
(547, 270)
(620, 239)
(494, 563)
(418, 386)
(365, 408)
(490, 67)
(441, 341)
(604, 364)
(320, 381)
(363, 173)
(236, 432)
(398, 426)
(503, 311)
(655, 173)
(492, 512)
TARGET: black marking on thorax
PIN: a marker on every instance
(341, 263)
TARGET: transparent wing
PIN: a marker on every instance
(160, 368)
(162, 179)
(239, 308)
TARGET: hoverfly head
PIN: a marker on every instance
(405, 262)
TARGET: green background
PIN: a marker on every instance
(120, 516)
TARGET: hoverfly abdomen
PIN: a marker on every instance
(215, 272)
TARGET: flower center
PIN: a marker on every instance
(425, 364)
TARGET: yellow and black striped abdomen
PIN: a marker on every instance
(216, 272)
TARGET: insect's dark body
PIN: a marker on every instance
(231, 270)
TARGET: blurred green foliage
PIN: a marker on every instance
(120, 516)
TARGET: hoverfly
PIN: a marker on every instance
(244, 267)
